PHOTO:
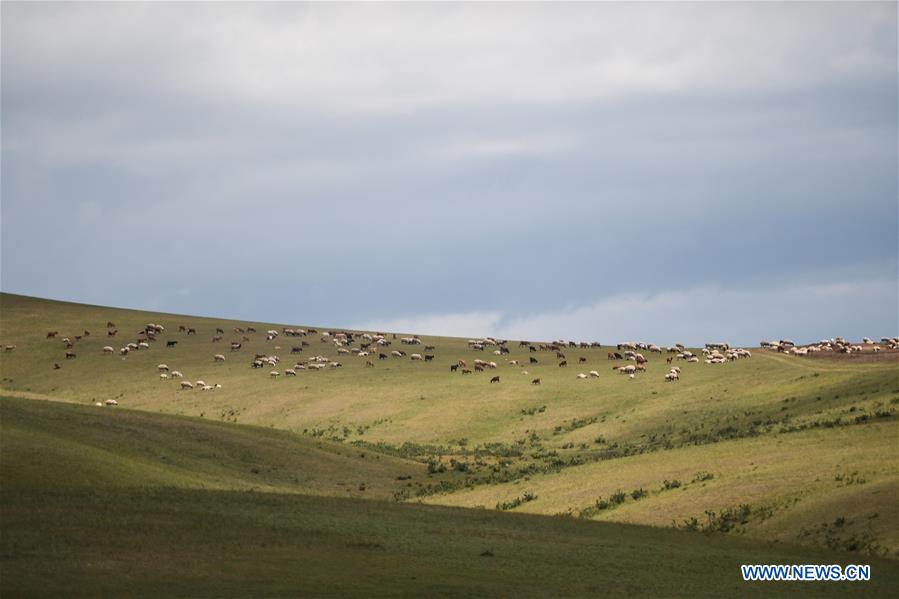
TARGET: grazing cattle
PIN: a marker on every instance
(69, 354)
(466, 371)
(110, 324)
(429, 358)
(191, 331)
(295, 349)
(218, 358)
(478, 368)
(171, 343)
(462, 363)
(582, 360)
(382, 356)
(52, 334)
(535, 382)
(56, 366)
(181, 328)
(454, 367)
(563, 364)
(533, 360)
(369, 364)
(494, 379)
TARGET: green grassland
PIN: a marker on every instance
(113, 502)
(773, 449)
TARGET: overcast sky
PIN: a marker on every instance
(666, 172)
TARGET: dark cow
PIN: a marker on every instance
(582, 360)
(70, 355)
(535, 382)
(171, 343)
(563, 364)
(295, 350)
(382, 356)
(533, 360)
(191, 331)
(494, 379)
(428, 358)
(454, 367)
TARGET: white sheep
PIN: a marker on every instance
(108, 349)
(218, 358)
(187, 385)
(594, 374)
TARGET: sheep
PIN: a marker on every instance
(143, 345)
(671, 376)
(186, 385)
(69, 354)
(176, 374)
(581, 375)
(111, 402)
(218, 358)
(162, 368)
(594, 374)
(274, 373)
(163, 376)
(416, 357)
(108, 349)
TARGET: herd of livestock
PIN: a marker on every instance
(379, 346)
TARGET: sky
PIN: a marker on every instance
(667, 172)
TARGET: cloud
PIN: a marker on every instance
(805, 312)
(337, 163)
(447, 325)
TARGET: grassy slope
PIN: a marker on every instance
(91, 534)
(796, 481)
(725, 419)
(49, 445)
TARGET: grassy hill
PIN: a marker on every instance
(101, 502)
(773, 448)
